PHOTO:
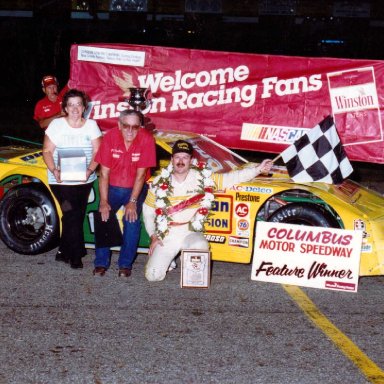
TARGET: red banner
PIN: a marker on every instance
(243, 101)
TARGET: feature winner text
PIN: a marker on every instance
(316, 270)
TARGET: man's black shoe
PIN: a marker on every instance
(76, 264)
(60, 257)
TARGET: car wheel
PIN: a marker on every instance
(304, 214)
(29, 223)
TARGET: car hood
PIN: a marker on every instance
(21, 155)
(367, 201)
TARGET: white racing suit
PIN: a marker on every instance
(180, 236)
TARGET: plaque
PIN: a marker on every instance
(195, 268)
(72, 164)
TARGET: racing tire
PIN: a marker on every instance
(304, 214)
(29, 223)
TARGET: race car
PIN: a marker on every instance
(30, 216)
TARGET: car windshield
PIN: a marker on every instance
(218, 158)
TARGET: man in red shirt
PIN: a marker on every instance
(49, 107)
(126, 155)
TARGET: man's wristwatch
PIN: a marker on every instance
(132, 200)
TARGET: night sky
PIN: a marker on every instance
(35, 46)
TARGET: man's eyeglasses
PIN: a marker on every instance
(130, 127)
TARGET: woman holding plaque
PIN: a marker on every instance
(70, 146)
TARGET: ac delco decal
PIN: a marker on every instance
(242, 210)
(220, 219)
(251, 188)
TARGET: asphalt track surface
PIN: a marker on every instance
(60, 325)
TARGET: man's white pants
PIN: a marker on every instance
(162, 256)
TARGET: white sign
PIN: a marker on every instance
(314, 257)
(111, 56)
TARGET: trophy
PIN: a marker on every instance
(138, 99)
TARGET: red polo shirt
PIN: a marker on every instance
(123, 163)
(45, 108)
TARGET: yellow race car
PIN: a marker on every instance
(30, 216)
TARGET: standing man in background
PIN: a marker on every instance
(49, 107)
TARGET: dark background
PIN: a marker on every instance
(36, 36)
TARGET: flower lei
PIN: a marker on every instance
(162, 189)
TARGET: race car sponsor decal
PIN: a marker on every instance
(222, 204)
(347, 188)
(92, 196)
(253, 189)
(242, 228)
(366, 248)
(359, 225)
(32, 158)
(271, 133)
(215, 238)
(220, 219)
(247, 197)
(242, 210)
(217, 223)
(243, 225)
(236, 241)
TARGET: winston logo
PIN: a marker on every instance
(355, 105)
(353, 90)
(354, 100)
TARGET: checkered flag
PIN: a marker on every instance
(318, 156)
